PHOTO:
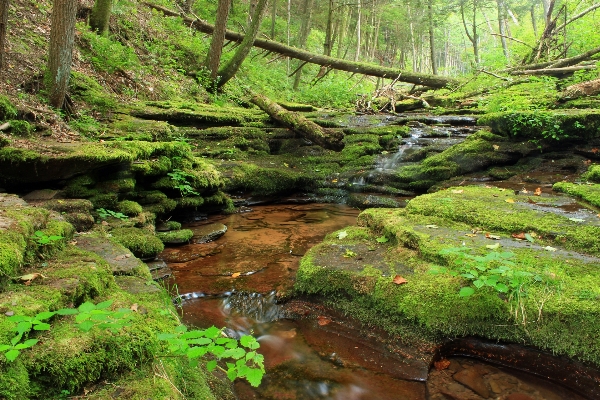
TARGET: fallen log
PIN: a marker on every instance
(589, 88)
(554, 71)
(432, 81)
(305, 128)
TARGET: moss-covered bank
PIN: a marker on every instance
(555, 308)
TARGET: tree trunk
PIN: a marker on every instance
(431, 37)
(213, 57)
(533, 21)
(62, 37)
(100, 17)
(335, 63)
(502, 27)
(304, 31)
(344, 23)
(3, 27)
(554, 71)
(473, 36)
(232, 67)
(358, 30)
(273, 18)
(298, 123)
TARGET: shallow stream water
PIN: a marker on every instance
(311, 352)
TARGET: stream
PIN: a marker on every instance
(237, 269)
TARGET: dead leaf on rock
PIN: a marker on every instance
(442, 364)
(432, 226)
(524, 191)
(458, 191)
(27, 279)
(398, 280)
(594, 150)
(509, 200)
(520, 236)
(122, 257)
(495, 146)
(322, 320)
(538, 192)
(287, 334)
(235, 275)
(493, 237)
(134, 307)
(471, 235)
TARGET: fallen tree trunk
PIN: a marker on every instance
(431, 81)
(305, 128)
(553, 71)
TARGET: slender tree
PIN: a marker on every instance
(431, 36)
(3, 27)
(100, 17)
(62, 37)
(229, 70)
(213, 58)
(273, 17)
(501, 5)
(473, 35)
(304, 32)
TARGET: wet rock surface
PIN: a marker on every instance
(208, 233)
(120, 259)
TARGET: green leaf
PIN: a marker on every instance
(193, 334)
(99, 317)
(196, 352)
(501, 287)
(5, 347)
(466, 291)
(529, 237)
(249, 342)
(11, 355)
(181, 329)
(26, 344)
(382, 239)
(254, 376)
(67, 311)
(478, 283)
(82, 317)
(23, 327)
(211, 365)
(232, 374)
(166, 336)
(236, 353)
(44, 315)
(200, 341)
(87, 307)
(86, 326)
(212, 332)
(41, 327)
(104, 304)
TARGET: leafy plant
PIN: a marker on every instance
(494, 270)
(195, 344)
(104, 214)
(181, 180)
(42, 239)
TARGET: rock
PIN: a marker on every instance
(81, 221)
(121, 260)
(135, 285)
(175, 237)
(42, 194)
(159, 270)
(208, 233)
(156, 265)
(168, 226)
(472, 379)
(518, 396)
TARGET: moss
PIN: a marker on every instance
(80, 187)
(589, 193)
(428, 307)
(190, 202)
(550, 125)
(154, 167)
(21, 128)
(116, 185)
(69, 205)
(172, 225)
(7, 109)
(129, 208)
(265, 181)
(592, 174)
(174, 237)
(107, 201)
(85, 88)
(14, 380)
(140, 242)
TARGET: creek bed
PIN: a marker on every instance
(312, 352)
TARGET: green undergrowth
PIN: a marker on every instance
(592, 174)
(549, 299)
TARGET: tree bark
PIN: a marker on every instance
(62, 37)
(231, 68)
(100, 17)
(3, 27)
(273, 18)
(304, 127)
(304, 31)
(358, 31)
(335, 63)
(431, 37)
(502, 27)
(473, 36)
(213, 58)
(554, 71)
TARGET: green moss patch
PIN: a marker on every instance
(175, 237)
(409, 243)
(589, 193)
(141, 242)
(592, 174)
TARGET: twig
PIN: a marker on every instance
(513, 39)
(494, 75)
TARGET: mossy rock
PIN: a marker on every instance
(553, 126)
(69, 205)
(589, 193)
(141, 242)
(265, 181)
(127, 127)
(81, 221)
(86, 88)
(168, 226)
(7, 109)
(154, 167)
(107, 201)
(129, 208)
(116, 186)
(175, 237)
(428, 307)
(21, 128)
(296, 107)
(4, 141)
(592, 174)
